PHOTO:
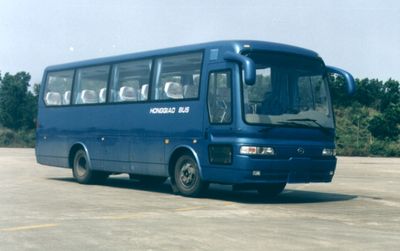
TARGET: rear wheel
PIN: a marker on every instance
(82, 171)
(187, 177)
(271, 190)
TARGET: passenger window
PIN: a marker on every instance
(131, 81)
(177, 77)
(220, 97)
(91, 85)
(58, 88)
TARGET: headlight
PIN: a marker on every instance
(257, 150)
(328, 152)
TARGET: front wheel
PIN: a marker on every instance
(82, 171)
(187, 177)
(271, 190)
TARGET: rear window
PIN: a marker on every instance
(58, 88)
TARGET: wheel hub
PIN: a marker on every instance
(187, 174)
(81, 168)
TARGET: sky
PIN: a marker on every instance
(361, 36)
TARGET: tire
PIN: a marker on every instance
(187, 177)
(82, 172)
(271, 190)
(147, 179)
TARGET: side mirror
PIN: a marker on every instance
(350, 83)
(248, 66)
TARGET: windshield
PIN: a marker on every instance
(289, 90)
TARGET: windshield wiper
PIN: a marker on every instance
(268, 127)
(309, 120)
(293, 122)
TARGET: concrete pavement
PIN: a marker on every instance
(43, 208)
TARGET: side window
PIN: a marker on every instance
(91, 85)
(58, 88)
(220, 97)
(131, 81)
(177, 77)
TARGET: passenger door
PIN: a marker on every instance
(219, 97)
(220, 113)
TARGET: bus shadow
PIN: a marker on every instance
(125, 183)
(288, 196)
(225, 193)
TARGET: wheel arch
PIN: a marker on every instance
(176, 153)
(74, 148)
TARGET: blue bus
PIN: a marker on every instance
(253, 114)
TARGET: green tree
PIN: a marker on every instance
(369, 92)
(391, 94)
(386, 125)
(17, 104)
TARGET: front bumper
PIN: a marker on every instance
(292, 170)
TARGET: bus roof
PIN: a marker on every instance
(237, 46)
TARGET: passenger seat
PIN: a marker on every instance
(128, 93)
(102, 95)
(89, 97)
(53, 98)
(173, 90)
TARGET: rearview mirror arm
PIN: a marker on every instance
(247, 65)
(350, 83)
